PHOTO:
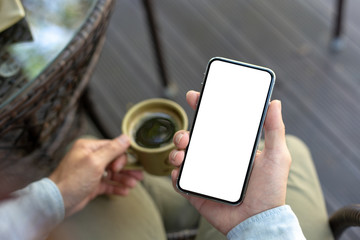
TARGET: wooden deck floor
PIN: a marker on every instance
(320, 91)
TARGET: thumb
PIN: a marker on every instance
(113, 149)
(274, 127)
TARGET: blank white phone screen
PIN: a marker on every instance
(225, 130)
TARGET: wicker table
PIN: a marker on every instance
(41, 82)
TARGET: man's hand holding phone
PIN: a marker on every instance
(267, 185)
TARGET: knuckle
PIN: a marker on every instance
(92, 160)
(80, 143)
(113, 146)
(89, 157)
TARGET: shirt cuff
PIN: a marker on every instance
(279, 223)
(56, 198)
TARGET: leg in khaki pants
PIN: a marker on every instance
(140, 216)
(113, 217)
(304, 195)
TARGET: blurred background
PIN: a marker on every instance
(319, 88)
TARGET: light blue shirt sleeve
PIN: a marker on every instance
(275, 224)
(32, 212)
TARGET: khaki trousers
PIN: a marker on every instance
(154, 208)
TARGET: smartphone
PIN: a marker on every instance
(226, 130)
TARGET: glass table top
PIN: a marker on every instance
(52, 25)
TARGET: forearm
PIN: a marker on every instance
(278, 223)
(32, 212)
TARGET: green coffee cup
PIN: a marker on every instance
(150, 124)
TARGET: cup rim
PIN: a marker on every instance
(150, 101)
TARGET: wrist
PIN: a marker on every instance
(252, 211)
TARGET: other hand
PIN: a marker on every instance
(80, 178)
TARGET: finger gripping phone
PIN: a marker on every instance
(226, 130)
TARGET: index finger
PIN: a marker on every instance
(113, 149)
(181, 139)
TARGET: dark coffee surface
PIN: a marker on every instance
(155, 131)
